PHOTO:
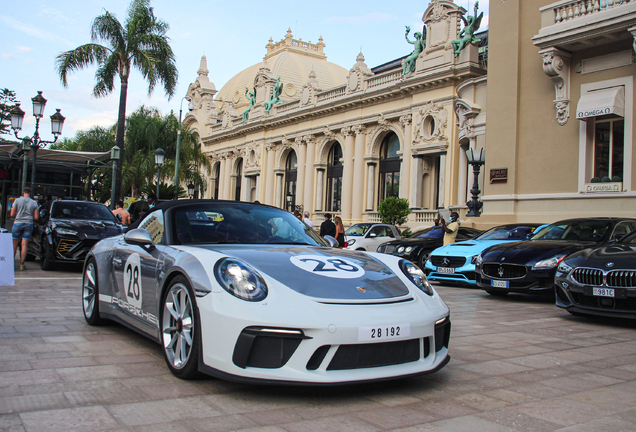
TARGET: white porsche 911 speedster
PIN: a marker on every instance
(247, 292)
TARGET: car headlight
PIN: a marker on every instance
(400, 249)
(240, 280)
(548, 263)
(351, 242)
(65, 231)
(416, 276)
(408, 249)
(564, 268)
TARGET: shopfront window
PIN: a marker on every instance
(334, 178)
(609, 145)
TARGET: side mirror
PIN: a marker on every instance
(331, 240)
(139, 237)
(371, 235)
(43, 213)
(119, 217)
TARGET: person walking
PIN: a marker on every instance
(327, 227)
(119, 210)
(308, 221)
(340, 232)
(25, 212)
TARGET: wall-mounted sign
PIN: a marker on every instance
(603, 187)
(499, 175)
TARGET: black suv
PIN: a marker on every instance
(70, 231)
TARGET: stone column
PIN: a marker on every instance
(310, 140)
(300, 178)
(358, 174)
(279, 189)
(370, 184)
(257, 187)
(246, 188)
(319, 188)
(221, 180)
(462, 178)
(227, 177)
(441, 203)
(416, 187)
(347, 175)
(269, 173)
(405, 167)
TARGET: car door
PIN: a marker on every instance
(621, 230)
(135, 269)
(377, 235)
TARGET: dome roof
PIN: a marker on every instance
(293, 60)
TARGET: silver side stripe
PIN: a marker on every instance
(105, 298)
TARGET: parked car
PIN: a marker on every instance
(456, 262)
(138, 209)
(418, 247)
(70, 230)
(599, 281)
(530, 267)
(225, 294)
(367, 236)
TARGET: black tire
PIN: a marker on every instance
(177, 327)
(497, 293)
(90, 294)
(46, 261)
(424, 256)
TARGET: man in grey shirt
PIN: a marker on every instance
(25, 212)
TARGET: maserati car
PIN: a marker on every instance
(599, 281)
(530, 267)
(70, 230)
(455, 263)
(248, 292)
(419, 246)
(368, 236)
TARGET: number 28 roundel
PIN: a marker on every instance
(333, 267)
(132, 280)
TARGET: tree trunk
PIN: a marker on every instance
(121, 129)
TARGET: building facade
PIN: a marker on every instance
(298, 132)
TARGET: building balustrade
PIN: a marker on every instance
(573, 9)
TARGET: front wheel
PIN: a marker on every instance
(90, 294)
(46, 260)
(424, 256)
(179, 329)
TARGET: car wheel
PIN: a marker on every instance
(46, 260)
(362, 249)
(180, 329)
(498, 293)
(424, 256)
(90, 294)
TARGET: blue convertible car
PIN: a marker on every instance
(456, 262)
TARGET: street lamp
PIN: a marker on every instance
(289, 199)
(176, 166)
(57, 122)
(159, 157)
(191, 190)
(476, 161)
(115, 153)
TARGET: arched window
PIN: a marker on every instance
(334, 178)
(239, 179)
(217, 179)
(389, 167)
(291, 173)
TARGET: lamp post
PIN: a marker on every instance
(289, 199)
(191, 190)
(176, 163)
(476, 161)
(114, 155)
(57, 122)
(159, 157)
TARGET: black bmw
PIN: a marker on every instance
(70, 231)
(530, 267)
(599, 281)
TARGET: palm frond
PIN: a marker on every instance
(106, 27)
(79, 58)
(105, 76)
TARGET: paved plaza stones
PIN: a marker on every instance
(518, 364)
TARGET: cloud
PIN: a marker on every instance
(54, 14)
(23, 48)
(76, 123)
(7, 55)
(372, 17)
(32, 30)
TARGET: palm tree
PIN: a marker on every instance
(141, 43)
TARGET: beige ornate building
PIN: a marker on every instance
(561, 110)
(342, 139)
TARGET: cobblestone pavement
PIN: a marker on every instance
(519, 364)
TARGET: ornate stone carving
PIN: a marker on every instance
(466, 113)
(251, 155)
(310, 88)
(430, 123)
(405, 120)
(299, 141)
(359, 129)
(270, 146)
(556, 65)
(357, 74)
(201, 91)
(328, 133)
(309, 139)
(346, 131)
(383, 123)
(632, 30)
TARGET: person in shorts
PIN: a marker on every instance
(25, 212)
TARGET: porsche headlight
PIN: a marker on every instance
(416, 276)
(548, 263)
(351, 242)
(400, 249)
(65, 231)
(240, 280)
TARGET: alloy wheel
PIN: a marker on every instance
(178, 325)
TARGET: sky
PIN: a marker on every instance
(231, 34)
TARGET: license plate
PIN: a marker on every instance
(499, 284)
(445, 270)
(379, 333)
(603, 292)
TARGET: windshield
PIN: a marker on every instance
(243, 223)
(358, 230)
(81, 210)
(592, 231)
(510, 232)
(428, 233)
